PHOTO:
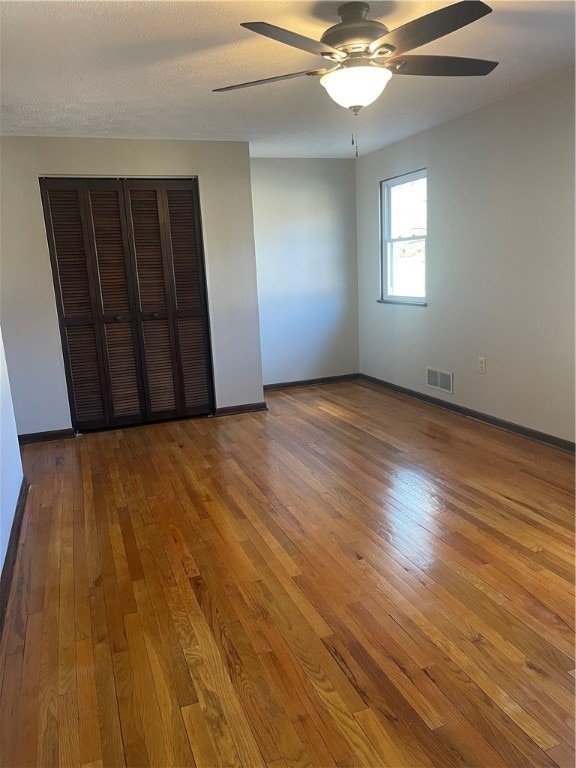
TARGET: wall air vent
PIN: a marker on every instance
(440, 379)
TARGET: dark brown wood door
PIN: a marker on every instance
(182, 214)
(115, 300)
(167, 258)
(66, 225)
(128, 273)
(153, 283)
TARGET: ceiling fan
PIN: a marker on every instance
(364, 54)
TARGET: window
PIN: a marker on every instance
(403, 208)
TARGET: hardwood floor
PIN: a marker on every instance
(351, 579)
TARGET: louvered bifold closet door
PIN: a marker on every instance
(116, 305)
(154, 288)
(191, 313)
(128, 271)
(168, 264)
(68, 236)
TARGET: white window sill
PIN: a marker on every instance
(409, 302)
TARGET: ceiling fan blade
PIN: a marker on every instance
(271, 80)
(293, 39)
(449, 66)
(432, 26)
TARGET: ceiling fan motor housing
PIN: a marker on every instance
(355, 32)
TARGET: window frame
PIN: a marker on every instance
(385, 239)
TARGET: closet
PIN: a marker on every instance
(128, 268)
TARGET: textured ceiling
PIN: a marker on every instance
(146, 69)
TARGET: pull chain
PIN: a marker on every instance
(355, 136)
(355, 142)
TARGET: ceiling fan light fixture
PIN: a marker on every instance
(355, 87)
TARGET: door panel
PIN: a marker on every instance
(154, 287)
(150, 267)
(194, 365)
(88, 402)
(158, 354)
(68, 233)
(123, 369)
(190, 311)
(184, 249)
(105, 210)
(116, 300)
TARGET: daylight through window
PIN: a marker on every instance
(403, 206)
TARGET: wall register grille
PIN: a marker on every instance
(443, 380)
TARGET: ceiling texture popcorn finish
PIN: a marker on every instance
(147, 70)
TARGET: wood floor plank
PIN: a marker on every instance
(163, 673)
(121, 569)
(316, 730)
(10, 708)
(307, 646)
(199, 736)
(390, 751)
(109, 580)
(349, 579)
(15, 630)
(160, 752)
(212, 708)
(408, 732)
(564, 755)
(107, 706)
(213, 684)
(39, 558)
(47, 723)
(68, 738)
(470, 661)
(66, 622)
(280, 581)
(273, 730)
(26, 741)
(159, 628)
(559, 719)
(80, 567)
(131, 722)
(89, 728)
(400, 670)
(490, 721)
(264, 530)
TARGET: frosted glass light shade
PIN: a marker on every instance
(356, 86)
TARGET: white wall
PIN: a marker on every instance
(500, 261)
(29, 319)
(10, 464)
(305, 234)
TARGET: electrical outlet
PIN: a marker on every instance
(481, 365)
